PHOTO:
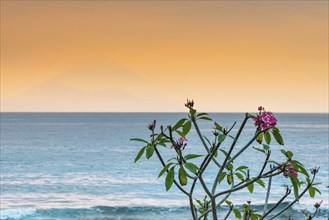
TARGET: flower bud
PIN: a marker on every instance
(315, 170)
(318, 204)
(189, 103)
(151, 126)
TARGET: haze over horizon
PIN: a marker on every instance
(143, 56)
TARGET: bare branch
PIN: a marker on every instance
(293, 202)
(229, 153)
(245, 147)
(288, 191)
(268, 193)
(248, 183)
(203, 141)
(229, 212)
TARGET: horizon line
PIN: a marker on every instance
(173, 112)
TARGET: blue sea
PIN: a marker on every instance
(81, 165)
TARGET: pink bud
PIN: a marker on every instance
(182, 139)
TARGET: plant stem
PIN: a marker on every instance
(244, 148)
(229, 212)
(247, 184)
(228, 154)
(276, 205)
(293, 202)
(163, 164)
(267, 193)
(202, 140)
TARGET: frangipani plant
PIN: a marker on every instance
(180, 169)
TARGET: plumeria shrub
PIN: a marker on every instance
(184, 168)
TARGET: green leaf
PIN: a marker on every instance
(199, 202)
(181, 133)
(259, 138)
(250, 187)
(218, 127)
(221, 138)
(266, 147)
(240, 176)
(241, 168)
(206, 118)
(255, 216)
(305, 212)
(170, 179)
(192, 156)
(202, 114)
(207, 140)
(221, 177)
(229, 166)
(225, 153)
(164, 170)
(182, 176)
(237, 213)
(149, 151)
(191, 167)
(261, 150)
(283, 152)
(289, 154)
(261, 183)
(192, 111)
(303, 170)
(267, 137)
(140, 153)
(277, 136)
(140, 140)
(316, 189)
(228, 202)
(179, 124)
(229, 179)
(294, 182)
(311, 191)
(187, 127)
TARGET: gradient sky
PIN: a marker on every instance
(229, 56)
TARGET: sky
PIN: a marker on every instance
(150, 56)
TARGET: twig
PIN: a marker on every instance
(220, 202)
(267, 193)
(244, 148)
(288, 191)
(202, 140)
(229, 212)
(163, 164)
(228, 154)
(293, 202)
(248, 183)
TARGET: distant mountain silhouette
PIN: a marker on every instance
(91, 86)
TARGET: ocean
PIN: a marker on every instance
(81, 165)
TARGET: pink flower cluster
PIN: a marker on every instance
(288, 168)
(264, 119)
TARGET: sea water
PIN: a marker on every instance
(81, 165)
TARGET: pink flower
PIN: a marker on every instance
(182, 139)
(288, 169)
(265, 120)
(294, 172)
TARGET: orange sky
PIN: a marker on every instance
(151, 56)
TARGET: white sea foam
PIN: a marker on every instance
(16, 213)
